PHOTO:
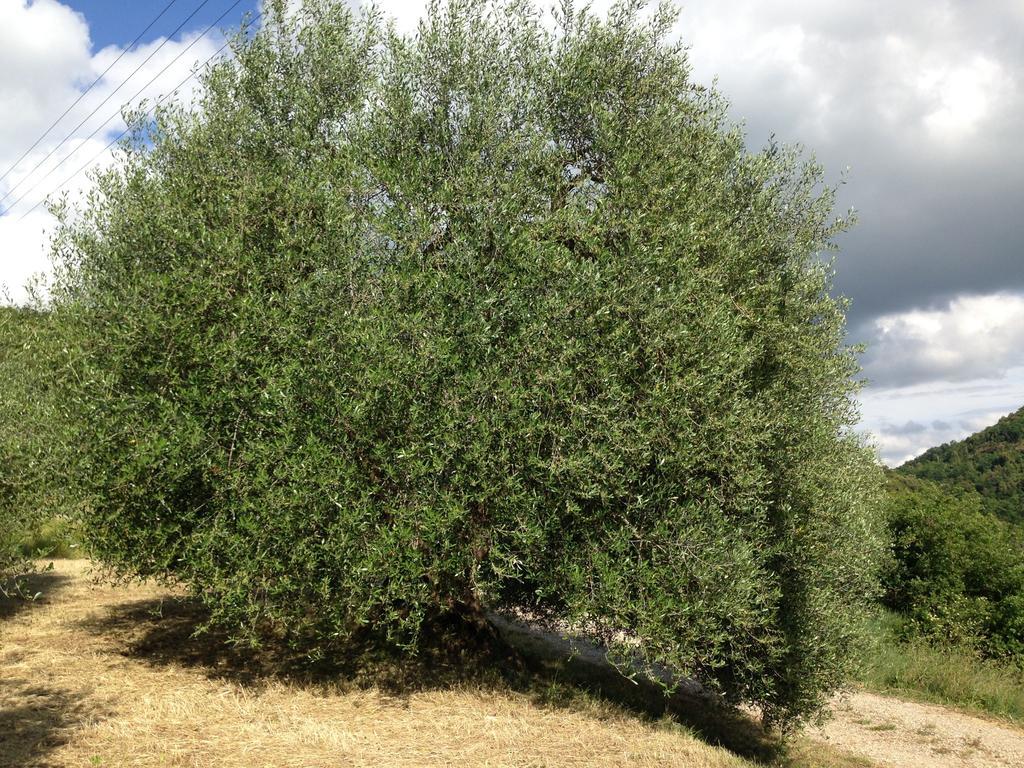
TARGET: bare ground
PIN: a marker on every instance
(892, 731)
(96, 675)
(883, 730)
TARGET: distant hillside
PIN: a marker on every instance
(990, 461)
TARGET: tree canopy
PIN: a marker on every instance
(496, 315)
(32, 436)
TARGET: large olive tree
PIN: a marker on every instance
(496, 314)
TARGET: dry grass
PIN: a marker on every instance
(94, 675)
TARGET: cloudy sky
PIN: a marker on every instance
(923, 101)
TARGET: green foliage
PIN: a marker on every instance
(386, 329)
(31, 486)
(957, 572)
(56, 537)
(990, 462)
(11, 523)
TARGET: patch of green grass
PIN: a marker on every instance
(949, 675)
(57, 537)
(810, 753)
(882, 727)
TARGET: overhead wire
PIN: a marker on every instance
(83, 94)
(124, 82)
(102, 125)
(123, 133)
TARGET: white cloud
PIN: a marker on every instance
(45, 63)
(906, 421)
(24, 253)
(941, 374)
(923, 101)
(406, 13)
(25, 233)
(44, 51)
(964, 96)
(969, 336)
(825, 70)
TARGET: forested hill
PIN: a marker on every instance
(990, 461)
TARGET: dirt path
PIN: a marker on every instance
(892, 731)
(881, 729)
(110, 676)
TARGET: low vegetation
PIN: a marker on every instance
(944, 673)
(33, 489)
(952, 631)
(57, 537)
(12, 513)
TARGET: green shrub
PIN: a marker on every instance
(390, 329)
(16, 327)
(957, 572)
(32, 487)
(57, 537)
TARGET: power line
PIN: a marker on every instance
(82, 95)
(102, 125)
(120, 136)
(123, 133)
(71, 133)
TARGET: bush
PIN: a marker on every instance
(56, 537)
(390, 329)
(957, 572)
(32, 488)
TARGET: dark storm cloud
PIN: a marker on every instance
(923, 101)
(907, 428)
